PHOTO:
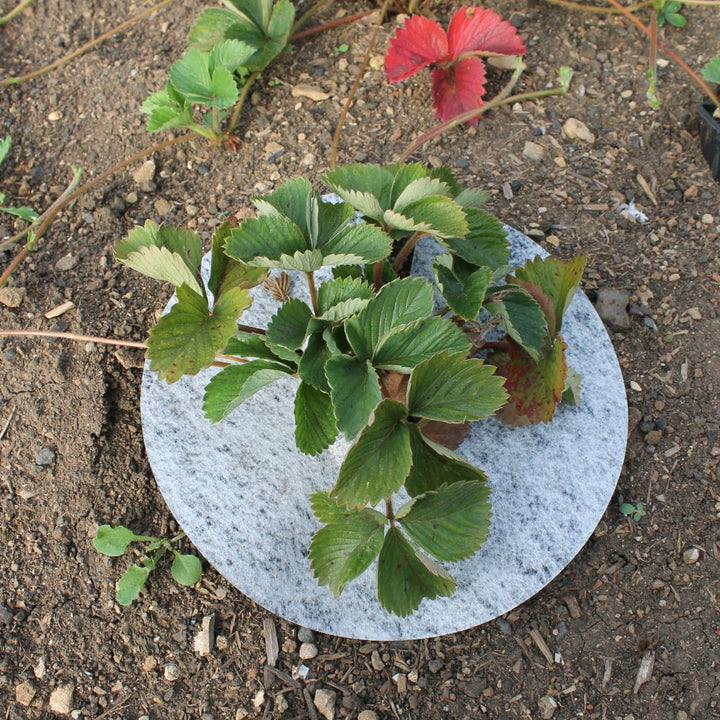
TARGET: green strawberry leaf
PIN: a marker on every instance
(407, 346)
(163, 253)
(355, 243)
(226, 273)
(315, 426)
(251, 345)
(229, 55)
(167, 109)
(289, 325)
(377, 465)
(114, 541)
(24, 212)
(186, 569)
(439, 216)
(398, 303)
(434, 465)
(366, 187)
(405, 576)
(711, 72)
(450, 523)
(311, 367)
(355, 392)
(522, 319)
(344, 549)
(236, 383)
(266, 241)
(485, 244)
(450, 388)
(187, 339)
(419, 189)
(5, 145)
(462, 285)
(571, 391)
(290, 199)
(405, 174)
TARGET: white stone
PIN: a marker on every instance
(240, 488)
(204, 640)
(547, 706)
(308, 651)
(575, 129)
(324, 701)
(691, 556)
(61, 699)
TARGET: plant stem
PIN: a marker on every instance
(670, 53)
(84, 48)
(502, 98)
(377, 276)
(328, 25)
(356, 85)
(652, 69)
(251, 329)
(73, 336)
(241, 100)
(389, 512)
(49, 216)
(308, 14)
(313, 291)
(14, 12)
(406, 249)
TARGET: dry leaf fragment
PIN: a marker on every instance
(645, 670)
(60, 310)
(646, 189)
(309, 91)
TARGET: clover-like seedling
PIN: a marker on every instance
(637, 512)
(114, 541)
(24, 212)
(375, 358)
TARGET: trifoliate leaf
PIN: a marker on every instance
(366, 187)
(405, 576)
(522, 319)
(462, 285)
(114, 541)
(485, 244)
(556, 279)
(355, 392)
(434, 465)
(358, 243)
(190, 75)
(315, 426)
(450, 523)
(236, 383)
(403, 348)
(535, 388)
(344, 549)
(288, 327)
(269, 34)
(164, 253)
(186, 569)
(187, 339)
(450, 388)
(377, 465)
(398, 303)
(130, 584)
(290, 199)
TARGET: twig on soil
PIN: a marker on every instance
(310, 705)
(7, 424)
(542, 645)
(14, 13)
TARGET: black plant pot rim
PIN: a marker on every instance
(710, 137)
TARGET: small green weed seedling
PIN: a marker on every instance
(637, 512)
(24, 212)
(114, 541)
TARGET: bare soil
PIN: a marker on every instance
(72, 456)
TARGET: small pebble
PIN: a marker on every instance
(691, 555)
(305, 635)
(547, 706)
(61, 699)
(45, 456)
(504, 626)
(24, 693)
(171, 672)
(368, 715)
(308, 651)
(707, 219)
(324, 701)
(66, 262)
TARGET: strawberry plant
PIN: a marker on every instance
(455, 55)
(375, 360)
(24, 212)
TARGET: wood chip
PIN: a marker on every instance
(309, 91)
(645, 670)
(272, 649)
(60, 310)
(542, 645)
(573, 606)
(608, 672)
(646, 189)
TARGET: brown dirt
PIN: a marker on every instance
(628, 593)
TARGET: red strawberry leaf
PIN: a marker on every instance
(415, 46)
(473, 29)
(535, 388)
(458, 88)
